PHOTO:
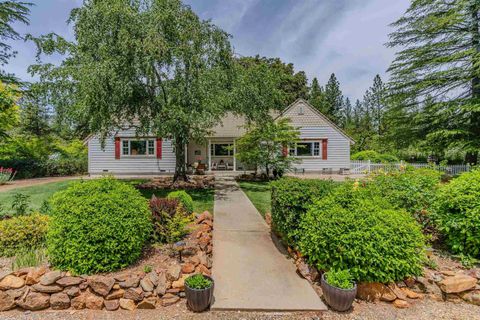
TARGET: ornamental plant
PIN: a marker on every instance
(98, 225)
(341, 279)
(170, 220)
(198, 281)
(6, 175)
(185, 199)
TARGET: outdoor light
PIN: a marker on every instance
(179, 246)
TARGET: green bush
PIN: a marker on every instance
(374, 156)
(97, 226)
(291, 198)
(198, 281)
(457, 213)
(170, 220)
(23, 232)
(184, 198)
(355, 230)
(341, 279)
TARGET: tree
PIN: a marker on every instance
(439, 55)
(333, 100)
(10, 12)
(34, 116)
(8, 108)
(316, 95)
(151, 63)
(264, 145)
(375, 100)
(347, 114)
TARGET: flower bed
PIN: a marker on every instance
(194, 182)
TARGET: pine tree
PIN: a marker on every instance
(316, 95)
(347, 113)
(333, 100)
(375, 101)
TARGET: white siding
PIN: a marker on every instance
(103, 160)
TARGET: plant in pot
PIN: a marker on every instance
(339, 289)
(199, 292)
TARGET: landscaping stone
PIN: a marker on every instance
(130, 282)
(17, 293)
(388, 296)
(401, 304)
(22, 271)
(115, 294)
(34, 275)
(127, 304)
(153, 276)
(173, 272)
(7, 302)
(69, 281)
(50, 277)
(94, 302)
(169, 299)
(135, 294)
(162, 285)
(101, 285)
(147, 304)
(3, 274)
(371, 291)
(34, 301)
(472, 297)
(204, 216)
(203, 270)
(180, 283)
(11, 282)
(147, 284)
(448, 273)
(409, 282)
(306, 271)
(72, 291)
(111, 305)
(59, 301)
(47, 289)
(411, 294)
(188, 268)
(458, 283)
(397, 291)
(79, 301)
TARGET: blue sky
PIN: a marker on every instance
(318, 36)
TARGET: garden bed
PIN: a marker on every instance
(194, 182)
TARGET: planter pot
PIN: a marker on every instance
(338, 299)
(199, 300)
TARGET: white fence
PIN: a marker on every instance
(357, 166)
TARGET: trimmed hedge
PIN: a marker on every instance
(97, 226)
(351, 229)
(291, 198)
(374, 156)
(23, 232)
(457, 214)
(184, 198)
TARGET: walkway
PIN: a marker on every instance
(34, 182)
(249, 269)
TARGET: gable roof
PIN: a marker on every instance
(321, 115)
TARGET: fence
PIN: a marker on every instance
(357, 166)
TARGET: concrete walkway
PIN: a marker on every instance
(249, 269)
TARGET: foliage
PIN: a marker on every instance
(147, 268)
(184, 198)
(98, 225)
(20, 203)
(22, 233)
(198, 281)
(9, 110)
(352, 229)
(170, 220)
(202, 198)
(6, 175)
(28, 257)
(457, 213)
(374, 156)
(291, 198)
(340, 279)
(333, 100)
(263, 146)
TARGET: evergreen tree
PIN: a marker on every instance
(347, 113)
(316, 95)
(333, 100)
(375, 102)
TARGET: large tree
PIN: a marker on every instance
(316, 95)
(333, 101)
(375, 100)
(9, 109)
(439, 58)
(152, 63)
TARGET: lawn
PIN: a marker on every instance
(202, 198)
(260, 195)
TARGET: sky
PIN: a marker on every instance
(320, 37)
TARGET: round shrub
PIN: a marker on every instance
(97, 226)
(184, 198)
(351, 229)
(457, 213)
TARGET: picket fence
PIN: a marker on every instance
(357, 166)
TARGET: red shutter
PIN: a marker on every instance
(324, 149)
(117, 148)
(285, 151)
(159, 148)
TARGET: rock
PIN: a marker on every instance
(173, 272)
(11, 282)
(33, 276)
(17, 293)
(83, 285)
(116, 286)
(115, 294)
(153, 276)
(79, 302)
(127, 304)
(34, 301)
(203, 270)
(94, 302)
(453, 297)
(162, 285)
(7, 302)
(371, 291)
(111, 305)
(204, 216)
(204, 241)
(169, 299)
(472, 297)
(101, 285)
(59, 301)
(202, 257)
(397, 291)
(47, 289)
(147, 304)
(135, 294)
(69, 281)
(173, 291)
(209, 249)
(458, 283)
(188, 268)
(268, 219)
(388, 296)
(147, 284)
(3, 274)
(180, 283)
(72, 291)
(50, 277)
(195, 260)
(411, 294)
(409, 282)
(448, 273)
(401, 304)
(475, 273)
(22, 271)
(130, 282)
(306, 271)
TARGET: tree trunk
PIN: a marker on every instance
(180, 156)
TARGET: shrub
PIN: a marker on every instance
(6, 175)
(374, 156)
(351, 229)
(169, 220)
(341, 279)
(198, 281)
(457, 213)
(290, 200)
(97, 226)
(23, 232)
(184, 198)
(20, 203)
(28, 257)
(66, 166)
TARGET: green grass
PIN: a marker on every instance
(260, 195)
(202, 198)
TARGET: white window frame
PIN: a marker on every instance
(293, 151)
(150, 146)
(231, 152)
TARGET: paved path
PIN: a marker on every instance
(34, 182)
(249, 269)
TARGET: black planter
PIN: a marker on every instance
(199, 300)
(338, 299)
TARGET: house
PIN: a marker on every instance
(323, 146)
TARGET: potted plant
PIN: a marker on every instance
(339, 289)
(199, 292)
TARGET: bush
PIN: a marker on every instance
(170, 220)
(184, 198)
(66, 166)
(198, 281)
(351, 229)
(341, 279)
(457, 213)
(97, 226)
(290, 200)
(374, 156)
(23, 232)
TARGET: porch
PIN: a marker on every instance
(216, 155)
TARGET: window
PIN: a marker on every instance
(132, 147)
(221, 149)
(305, 149)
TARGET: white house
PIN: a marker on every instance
(324, 146)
